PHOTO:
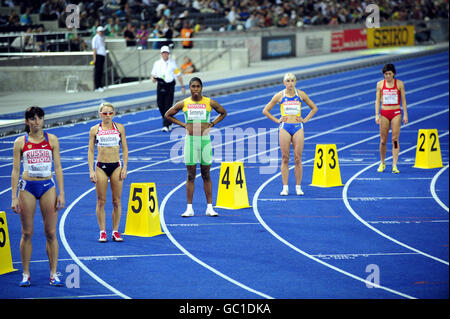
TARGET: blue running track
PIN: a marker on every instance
(387, 229)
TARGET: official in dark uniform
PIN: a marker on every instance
(164, 71)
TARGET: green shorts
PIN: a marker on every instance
(197, 149)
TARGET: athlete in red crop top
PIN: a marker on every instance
(108, 136)
(390, 93)
(39, 151)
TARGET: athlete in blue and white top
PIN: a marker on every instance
(291, 128)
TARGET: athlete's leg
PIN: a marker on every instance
(207, 185)
(27, 203)
(396, 123)
(297, 142)
(116, 190)
(285, 144)
(47, 204)
(190, 182)
(101, 188)
(384, 133)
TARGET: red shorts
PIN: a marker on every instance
(390, 114)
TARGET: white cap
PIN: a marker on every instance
(100, 28)
(165, 48)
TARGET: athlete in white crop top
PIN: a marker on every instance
(108, 136)
(39, 151)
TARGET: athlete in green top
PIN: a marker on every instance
(197, 145)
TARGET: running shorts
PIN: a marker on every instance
(36, 188)
(197, 149)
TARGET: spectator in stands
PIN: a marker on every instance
(129, 35)
(231, 16)
(186, 33)
(45, 11)
(142, 36)
(13, 18)
(74, 41)
(94, 27)
(250, 23)
(157, 34)
(25, 19)
(99, 56)
(111, 28)
(187, 67)
(40, 39)
(25, 42)
(167, 34)
(121, 13)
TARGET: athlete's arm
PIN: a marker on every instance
(54, 143)
(377, 103)
(174, 110)
(18, 145)
(123, 172)
(401, 87)
(91, 152)
(219, 109)
(311, 105)
(274, 101)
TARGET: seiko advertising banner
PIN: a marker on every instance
(390, 36)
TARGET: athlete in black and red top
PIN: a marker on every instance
(108, 136)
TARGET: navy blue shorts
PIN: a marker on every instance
(291, 128)
(36, 188)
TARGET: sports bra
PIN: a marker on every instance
(390, 96)
(197, 111)
(108, 137)
(37, 158)
(291, 105)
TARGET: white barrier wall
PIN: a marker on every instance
(313, 43)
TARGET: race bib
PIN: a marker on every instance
(291, 108)
(390, 97)
(40, 170)
(197, 112)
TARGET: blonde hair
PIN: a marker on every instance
(289, 76)
(105, 104)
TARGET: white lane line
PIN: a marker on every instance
(352, 211)
(316, 259)
(101, 258)
(433, 188)
(93, 275)
(345, 256)
(258, 216)
(187, 253)
(72, 254)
